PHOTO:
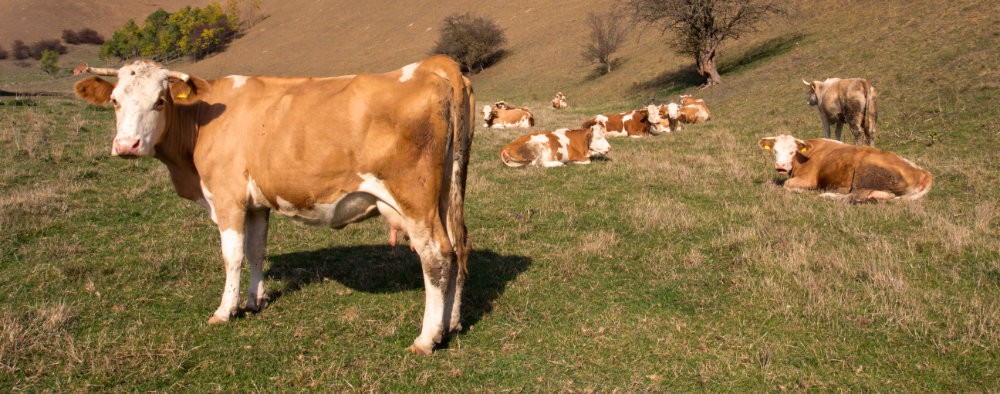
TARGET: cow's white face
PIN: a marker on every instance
(785, 147)
(814, 87)
(139, 100)
(487, 114)
(654, 114)
(673, 111)
(599, 144)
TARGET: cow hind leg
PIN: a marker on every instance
(255, 248)
(437, 259)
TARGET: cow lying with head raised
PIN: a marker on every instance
(846, 172)
(323, 151)
(850, 101)
(503, 115)
(560, 101)
(636, 123)
(556, 148)
(694, 110)
(669, 118)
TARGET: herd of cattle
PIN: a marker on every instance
(338, 150)
(844, 172)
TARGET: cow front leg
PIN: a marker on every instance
(255, 248)
(840, 127)
(435, 259)
(231, 230)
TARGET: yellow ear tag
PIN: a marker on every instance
(768, 147)
(182, 95)
(803, 149)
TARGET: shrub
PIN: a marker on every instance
(473, 42)
(39, 47)
(194, 32)
(84, 36)
(21, 51)
(49, 62)
(607, 34)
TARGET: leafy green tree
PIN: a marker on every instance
(49, 62)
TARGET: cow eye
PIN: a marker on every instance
(159, 104)
(114, 103)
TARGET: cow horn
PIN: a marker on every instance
(179, 75)
(82, 68)
(804, 81)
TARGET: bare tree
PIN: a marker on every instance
(606, 37)
(700, 26)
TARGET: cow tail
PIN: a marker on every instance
(868, 122)
(460, 145)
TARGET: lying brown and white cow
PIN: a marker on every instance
(559, 102)
(850, 101)
(556, 148)
(636, 123)
(323, 151)
(503, 115)
(669, 118)
(846, 172)
(694, 110)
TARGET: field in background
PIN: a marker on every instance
(678, 264)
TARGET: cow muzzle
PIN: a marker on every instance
(126, 147)
(782, 170)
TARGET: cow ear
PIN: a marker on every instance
(766, 143)
(190, 91)
(95, 90)
(803, 146)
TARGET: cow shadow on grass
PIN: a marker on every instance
(386, 269)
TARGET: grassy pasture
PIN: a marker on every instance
(678, 264)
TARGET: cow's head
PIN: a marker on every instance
(785, 148)
(814, 88)
(652, 114)
(599, 145)
(143, 97)
(488, 115)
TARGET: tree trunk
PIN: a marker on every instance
(707, 67)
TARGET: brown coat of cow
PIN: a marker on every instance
(636, 123)
(845, 101)
(503, 115)
(323, 151)
(846, 172)
(556, 148)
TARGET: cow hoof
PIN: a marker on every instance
(215, 320)
(456, 328)
(255, 305)
(420, 351)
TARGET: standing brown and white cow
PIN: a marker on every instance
(556, 148)
(694, 110)
(850, 101)
(323, 151)
(846, 172)
(502, 115)
(636, 123)
(559, 102)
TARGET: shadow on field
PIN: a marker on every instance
(385, 269)
(669, 83)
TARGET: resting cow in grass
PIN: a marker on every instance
(559, 102)
(846, 172)
(556, 148)
(850, 101)
(694, 110)
(636, 123)
(323, 151)
(669, 118)
(502, 115)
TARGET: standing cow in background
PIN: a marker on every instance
(560, 101)
(322, 151)
(556, 148)
(636, 123)
(850, 101)
(846, 172)
(502, 115)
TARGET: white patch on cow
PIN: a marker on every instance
(563, 149)
(255, 196)
(912, 164)
(232, 252)
(374, 186)
(232, 245)
(408, 71)
(628, 117)
(543, 150)
(208, 202)
(524, 122)
(238, 80)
